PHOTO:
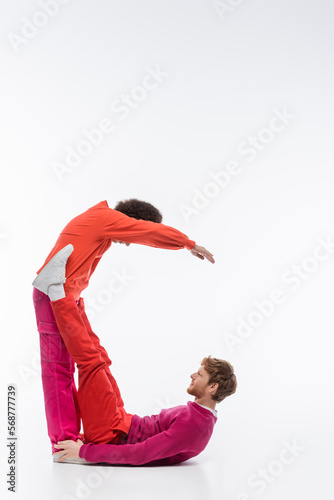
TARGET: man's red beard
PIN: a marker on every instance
(193, 391)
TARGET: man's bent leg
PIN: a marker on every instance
(103, 420)
(60, 394)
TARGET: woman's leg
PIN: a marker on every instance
(103, 420)
(60, 394)
(101, 349)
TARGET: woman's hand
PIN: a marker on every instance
(202, 253)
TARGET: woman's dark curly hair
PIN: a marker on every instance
(139, 210)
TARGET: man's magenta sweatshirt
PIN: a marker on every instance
(173, 436)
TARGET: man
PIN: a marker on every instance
(92, 233)
(173, 436)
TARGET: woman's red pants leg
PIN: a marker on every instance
(102, 410)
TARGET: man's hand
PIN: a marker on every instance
(69, 449)
(202, 253)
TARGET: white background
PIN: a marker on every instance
(225, 75)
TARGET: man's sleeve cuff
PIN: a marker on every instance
(82, 451)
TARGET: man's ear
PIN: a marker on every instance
(213, 388)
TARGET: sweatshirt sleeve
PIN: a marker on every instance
(177, 439)
(118, 226)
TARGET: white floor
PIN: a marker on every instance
(223, 118)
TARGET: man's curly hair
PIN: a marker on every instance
(222, 373)
(138, 209)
